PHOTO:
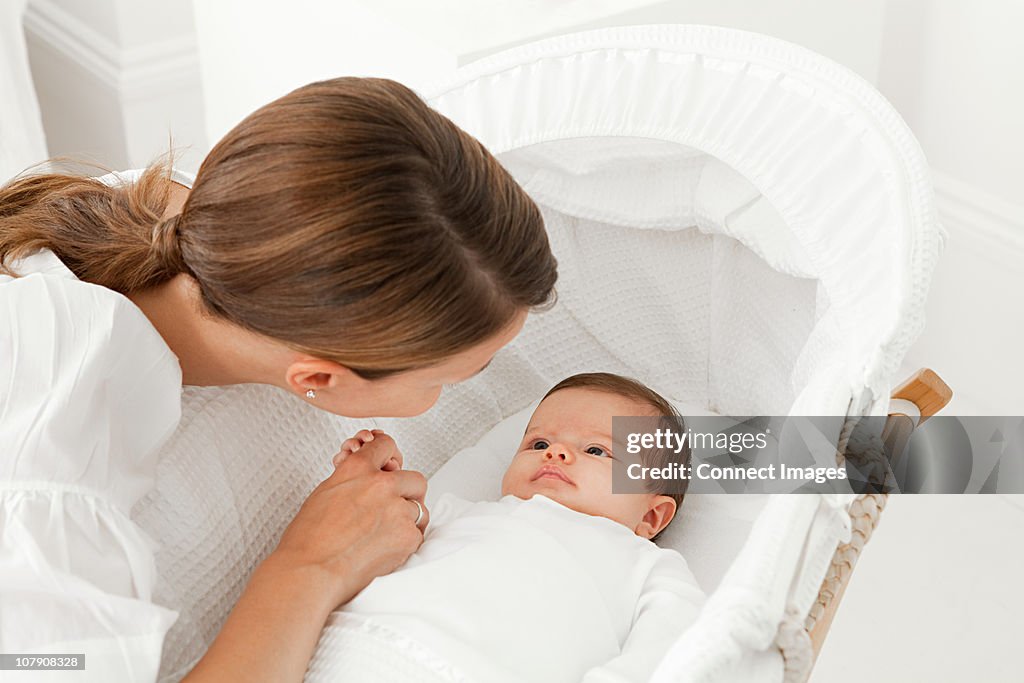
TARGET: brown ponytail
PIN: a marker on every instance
(107, 235)
(346, 219)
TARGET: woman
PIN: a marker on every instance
(345, 243)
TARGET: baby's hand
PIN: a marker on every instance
(363, 437)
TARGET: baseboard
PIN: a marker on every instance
(980, 222)
(136, 72)
(974, 315)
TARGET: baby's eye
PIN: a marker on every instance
(539, 445)
(598, 451)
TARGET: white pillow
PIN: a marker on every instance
(708, 530)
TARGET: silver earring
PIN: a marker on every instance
(311, 393)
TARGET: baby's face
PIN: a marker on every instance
(566, 455)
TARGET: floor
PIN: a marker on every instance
(935, 596)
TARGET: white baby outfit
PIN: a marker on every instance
(514, 591)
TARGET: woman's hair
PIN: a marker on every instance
(670, 419)
(346, 219)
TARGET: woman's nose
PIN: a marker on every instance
(557, 451)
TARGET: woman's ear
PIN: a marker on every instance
(318, 374)
(660, 511)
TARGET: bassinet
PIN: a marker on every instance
(740, 223)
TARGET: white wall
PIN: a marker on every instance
(255, 50)
(271, 49)
(117, 79)
(953, 69)
(21, 130)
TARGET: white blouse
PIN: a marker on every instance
(89, 392)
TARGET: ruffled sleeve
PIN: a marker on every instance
(88, 394)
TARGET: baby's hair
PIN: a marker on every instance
(670, 419)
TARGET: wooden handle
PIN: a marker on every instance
(930, 394)
(927, 391)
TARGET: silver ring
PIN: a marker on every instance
(419, 515)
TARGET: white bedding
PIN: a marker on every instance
(519, 591)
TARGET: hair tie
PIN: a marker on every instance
(166, 245)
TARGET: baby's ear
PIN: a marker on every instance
(660, 511)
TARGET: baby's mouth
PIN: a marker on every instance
(550, 471)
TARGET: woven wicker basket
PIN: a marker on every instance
(930, 394)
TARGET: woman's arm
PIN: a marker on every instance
(356, 525)
(272, 631)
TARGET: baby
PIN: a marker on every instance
(556, 581)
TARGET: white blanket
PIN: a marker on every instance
(515, 591)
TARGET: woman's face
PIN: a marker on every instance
(412, 392)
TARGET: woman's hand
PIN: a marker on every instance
(358, 524)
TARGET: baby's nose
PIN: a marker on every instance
(557, 451)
